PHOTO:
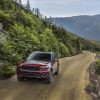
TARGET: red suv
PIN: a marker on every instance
(39, 65)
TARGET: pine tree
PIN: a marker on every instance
(79, 45)
(33, 10)
(20, 2)
(28, 7)
(37, 12)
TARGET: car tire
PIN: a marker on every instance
(20, 78)
(50, 77)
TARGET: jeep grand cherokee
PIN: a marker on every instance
(39, 65)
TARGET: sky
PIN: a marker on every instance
(66, 8)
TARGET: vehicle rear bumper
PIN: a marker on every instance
(33, 74)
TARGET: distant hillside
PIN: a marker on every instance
(29, 31)
(85, 26)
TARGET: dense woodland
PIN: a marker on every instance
(27, 30)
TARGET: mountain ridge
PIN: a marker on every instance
(87, 26)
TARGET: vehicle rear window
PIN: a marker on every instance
(40, 57)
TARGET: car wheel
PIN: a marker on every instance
(50, 76)
(20, 78)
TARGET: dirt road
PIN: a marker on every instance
(68, 85)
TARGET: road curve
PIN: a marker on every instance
(68, 85)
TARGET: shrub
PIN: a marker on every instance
(98, 67)
(4, 16)
(8, 70)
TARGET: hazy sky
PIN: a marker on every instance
(65, 8)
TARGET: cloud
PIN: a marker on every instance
(66, 7)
